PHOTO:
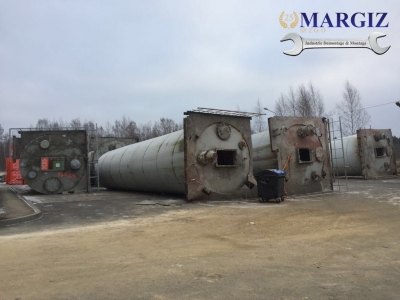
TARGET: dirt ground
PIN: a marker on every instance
(330, 246)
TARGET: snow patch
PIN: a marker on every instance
(33, 199)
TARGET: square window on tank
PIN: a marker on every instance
(226, 158)
(379, 152)
(305, 155)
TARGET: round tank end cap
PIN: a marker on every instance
(242, 145)
(44, 144)
(223, 131)
(75, 164)
(32, 174)
(52, 185)
(207, 157)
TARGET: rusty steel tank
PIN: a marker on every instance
(300, 147)
(368, 153)
(53, 161)
(210, 156)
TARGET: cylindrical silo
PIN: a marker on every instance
(351, 156)
(153, 165)
(210, 156)
(263, 157)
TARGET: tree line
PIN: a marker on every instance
(123, 128)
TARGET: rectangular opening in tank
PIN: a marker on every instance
(52, 164)
(304, 155)
(379, 152)
(226, 158)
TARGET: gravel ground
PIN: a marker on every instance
(105, 246)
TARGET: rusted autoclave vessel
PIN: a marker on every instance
(368, 153)
(300, 147)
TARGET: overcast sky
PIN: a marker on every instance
(100, 60)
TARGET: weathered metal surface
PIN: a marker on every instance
(205, 132)
(292, 137)
(53, 161)
(377, 155)
(369, 154)
(210, 156)
(302, 145)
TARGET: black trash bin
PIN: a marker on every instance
(270, 184)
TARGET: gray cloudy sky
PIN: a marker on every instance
(100, 60)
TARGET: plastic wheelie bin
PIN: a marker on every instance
(270, 185)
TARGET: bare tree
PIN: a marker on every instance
(302, 102)
(281, 106)
(168, 126)
(151, 130)
(50, 125)
(353, 115)
(258, 122)
(156, 130)
(287, 104)
(101, 132)
(125, 128)
(145, 131)
(91, 128)
(108, 130)
(316, 100)
(43, 123)
(75, 123)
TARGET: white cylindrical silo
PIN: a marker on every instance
(351, 156)
(263, 157)
(153, 165)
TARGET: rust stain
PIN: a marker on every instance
(66, 174)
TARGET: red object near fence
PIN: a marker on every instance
(13, 176)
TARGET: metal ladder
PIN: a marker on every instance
(338, 183)
(92, 160)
